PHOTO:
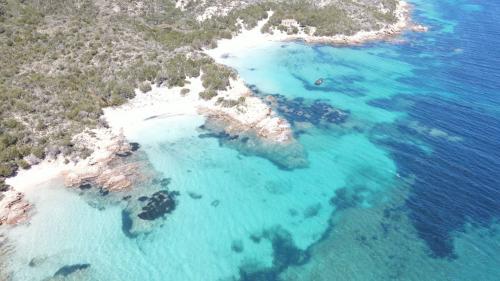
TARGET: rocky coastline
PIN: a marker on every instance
(109, 168)
(403, 23)
(250, 123)
(248, 115)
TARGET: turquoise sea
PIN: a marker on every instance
(402, 143)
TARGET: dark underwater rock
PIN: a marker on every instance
(302, 110)
(134, 146)
(312, 210)
(215, 203)
(346, 198)
(318, 82)
(194, 195)
(163, 182)
(36, 261)
(70, 269)
(84, 186)
(123, 154)
(103, 192)
(285, 254)
(255, 237)
(127, 224)
(287, 156)
(237, 246)
(159, 204)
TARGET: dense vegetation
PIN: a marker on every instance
(62, 61)
(338, 17)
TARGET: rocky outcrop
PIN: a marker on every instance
(117, 178)
(108, 167)
(248, 114)
(419, 28)
(389, 32)
(265, 126)
(14, 208)
(251, 126)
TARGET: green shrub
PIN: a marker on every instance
(10, 153)
(3, 186)
(208, 94)
(38, 151)
(23, 164)
(145, 87)
(6, 170)
(217, 77)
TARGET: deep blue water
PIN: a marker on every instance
(459, 182)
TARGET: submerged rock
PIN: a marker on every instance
(237, 246)
(312, 210)
(36, 261)
(144, 213)
(287, 155)
(194, 195)
(134, 146)
(347, 198)
(215, 203)
(255, 237)
(70, 269)
(285, 254)
(127, 224)
(316, 112)
(163, 182)
(159, 204)
(84, 186)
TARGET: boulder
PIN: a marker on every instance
(14, 208)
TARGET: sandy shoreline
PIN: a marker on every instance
(254, 37)
(246, 114)
(100, 168)
(403, 23)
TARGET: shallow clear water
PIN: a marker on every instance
(404, 188)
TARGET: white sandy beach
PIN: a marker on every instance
(254, 37)
(160, 102)
(251, 113)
